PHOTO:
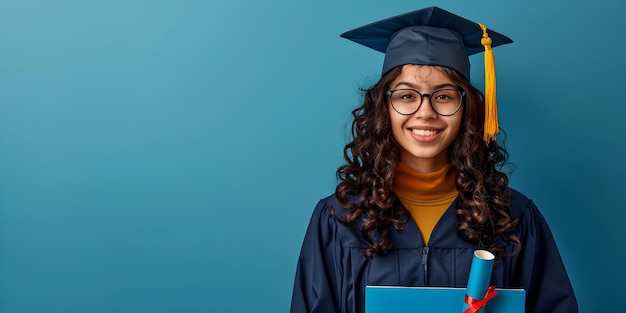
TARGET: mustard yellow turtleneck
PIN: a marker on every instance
(426, 196)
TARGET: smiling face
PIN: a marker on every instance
(424, 136)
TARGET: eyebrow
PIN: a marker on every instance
(436, 87)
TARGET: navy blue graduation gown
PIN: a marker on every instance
(332, 271)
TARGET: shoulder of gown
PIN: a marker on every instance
(539, 268)
(318, 275)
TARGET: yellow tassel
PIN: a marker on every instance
(491, 108)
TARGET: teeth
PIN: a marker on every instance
(424, 132)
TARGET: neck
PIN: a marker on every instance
(424, 165)
(434, 185)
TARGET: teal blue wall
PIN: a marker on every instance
(165, 156)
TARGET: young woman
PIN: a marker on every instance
(422, 189)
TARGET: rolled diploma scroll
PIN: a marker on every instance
(480, 275)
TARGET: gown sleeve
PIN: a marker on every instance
(317, 275)
(540, 270)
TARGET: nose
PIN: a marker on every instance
(425, 110)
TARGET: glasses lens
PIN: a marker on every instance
(446, 101)
(405, 101)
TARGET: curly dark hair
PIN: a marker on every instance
(482, 209)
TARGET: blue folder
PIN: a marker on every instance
(385, 299)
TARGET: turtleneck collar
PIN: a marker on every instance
(414, 185)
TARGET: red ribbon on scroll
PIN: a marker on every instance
(476, 305)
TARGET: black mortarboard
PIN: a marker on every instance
(430, 36)
(433, 36)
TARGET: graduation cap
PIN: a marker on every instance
(433, 36)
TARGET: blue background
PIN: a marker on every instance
(165, 156)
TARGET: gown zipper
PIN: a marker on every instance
(425, 264)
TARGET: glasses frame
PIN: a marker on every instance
(429, 96)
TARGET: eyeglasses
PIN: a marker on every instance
(444, 102)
